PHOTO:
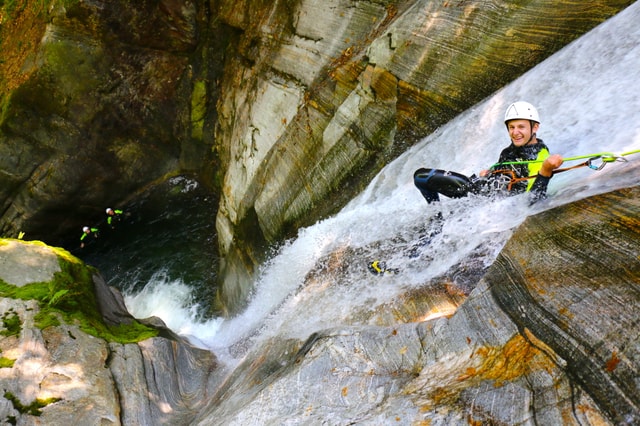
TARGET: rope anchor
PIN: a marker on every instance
(608, 158)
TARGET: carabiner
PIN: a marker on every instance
(593, 166)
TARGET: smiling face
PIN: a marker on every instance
(520, 131)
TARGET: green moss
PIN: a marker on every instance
(34, 408)
(11, 323)
(198, 108)
(6, 362)
(70, 297)
(46, 318)
(11, 8)
(74, 65)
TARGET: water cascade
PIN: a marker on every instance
(588, 98)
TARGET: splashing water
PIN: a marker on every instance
(588, 99)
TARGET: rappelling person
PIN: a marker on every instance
(522, 122)
(113, 216)
(525, 166)
(532, 173)
(86, 232)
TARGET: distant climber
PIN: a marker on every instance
(88, 232)
(113, 216)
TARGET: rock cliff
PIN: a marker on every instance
(318, 96)
(541, 339)
(286, 109)
(95, 99)
(548, 336)
(63, 363)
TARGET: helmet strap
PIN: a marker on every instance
(533, 134)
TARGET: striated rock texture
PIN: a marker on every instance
(317, 96)
(52, 371)
(548, 336)
(301, 101)
(579, 295)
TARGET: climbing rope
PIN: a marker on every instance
(605, 157)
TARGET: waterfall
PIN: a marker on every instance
(588, 98)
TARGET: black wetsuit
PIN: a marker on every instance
(500, 176)
(538, 151)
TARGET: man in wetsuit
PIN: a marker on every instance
(87, 231)
(113, 216)
(522, 121)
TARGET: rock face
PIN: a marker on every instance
(102, 98)
(548, 336)
(60, 374)
(94, 104)
(21, 264)
(317, 96)
(302, 102)
(579, 300)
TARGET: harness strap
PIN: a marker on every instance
(515, 179)
(606, 157)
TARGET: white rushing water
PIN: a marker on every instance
(588, 97)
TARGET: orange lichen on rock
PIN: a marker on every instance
(20, 35)
(515, 359)
(613, 362)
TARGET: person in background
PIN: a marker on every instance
(113, 216)
(86, 232)
(522, 122)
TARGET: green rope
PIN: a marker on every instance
(630, 152)
(607, 157)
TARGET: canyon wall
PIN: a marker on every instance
(285, 109)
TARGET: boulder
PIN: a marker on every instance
(58, 365)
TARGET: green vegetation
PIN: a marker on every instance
(11, 323)
(70, 297)
(9, 7)
(198, 108)
(6, 362)
(33, 408)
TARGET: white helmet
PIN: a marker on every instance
(85, 229)
(108, 210)
(521, 111)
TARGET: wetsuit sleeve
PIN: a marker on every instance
(539, 188)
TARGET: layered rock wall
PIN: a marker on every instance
(548, 336)
(286, 108)
(317, 97)
(95, 105)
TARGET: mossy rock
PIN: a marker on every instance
(70, 297)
